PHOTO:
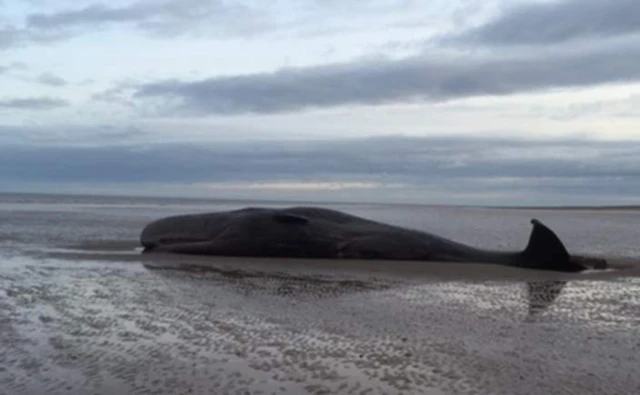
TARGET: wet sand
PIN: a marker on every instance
(103, 319)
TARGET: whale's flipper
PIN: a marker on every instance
(191, 248)
(545, 251)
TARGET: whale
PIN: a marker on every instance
(321, 233)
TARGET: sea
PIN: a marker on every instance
(83, 312)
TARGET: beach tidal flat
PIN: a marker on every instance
(82, 312)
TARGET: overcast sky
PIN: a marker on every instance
(445, 101)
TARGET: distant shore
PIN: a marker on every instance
(77, 198)
(572, 208)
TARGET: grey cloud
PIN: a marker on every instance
(96, 13)
(70, 136)
(51, 80)
(87, 82)
(10, 36)
(559, 21)
(21, 66)
(13, 66)
(370, 83)
(37, 103)
(213, 17)
(163, 17)
(230, 16)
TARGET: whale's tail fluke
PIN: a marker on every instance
(545, 251)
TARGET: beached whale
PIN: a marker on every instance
(311, 232)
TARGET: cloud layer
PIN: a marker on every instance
(51, 80)
(544, 169)
(32, 103)
(558, 22)
(422, 78)
(162, 16)
(442, 72)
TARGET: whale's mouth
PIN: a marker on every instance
(162, 243)
(148, 249)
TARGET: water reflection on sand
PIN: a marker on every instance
(107, 326)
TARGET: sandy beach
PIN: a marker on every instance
(83, 312)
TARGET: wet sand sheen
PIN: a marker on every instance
(100, 322)
(110, 325)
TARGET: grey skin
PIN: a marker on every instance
(310, 232)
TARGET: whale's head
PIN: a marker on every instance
(250, 231)
(177, 229)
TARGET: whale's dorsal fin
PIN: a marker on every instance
(288, 218)
(545, 251)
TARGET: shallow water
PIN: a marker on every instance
(84, 322)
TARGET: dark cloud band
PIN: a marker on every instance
(425, 78)
(472, 170)
(559, 21)
(397, 158)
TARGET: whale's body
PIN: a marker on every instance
(311, 232)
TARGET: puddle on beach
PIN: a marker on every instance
(79, 326)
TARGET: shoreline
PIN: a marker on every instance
(129, 251)
(213, 200)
